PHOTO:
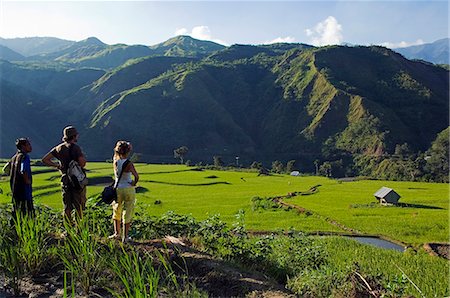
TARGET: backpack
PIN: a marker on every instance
(76, 174)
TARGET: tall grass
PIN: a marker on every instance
(10, 265)
(144, 274)
(24, 245)
(32, 240)
(392, 269)
(82, 254)
(136, 274)
(9, 258)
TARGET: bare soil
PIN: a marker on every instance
(213, 276)
(438, 249)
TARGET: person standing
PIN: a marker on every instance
(21, 178)
(73, 198)
(123, 207)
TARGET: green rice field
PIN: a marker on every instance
(422, 217)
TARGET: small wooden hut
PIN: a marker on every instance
(386, 195)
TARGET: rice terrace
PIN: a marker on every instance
(232, 215)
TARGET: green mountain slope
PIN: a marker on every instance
(130, 75)
(23, 113)
(284, 101)
(56, 83)
(31, 46)
(407, 98)
(91, 52)
(186, 46)
(435, 52)
(76, 50)
(356, 100)
(10, 55)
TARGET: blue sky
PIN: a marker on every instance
(389, 23)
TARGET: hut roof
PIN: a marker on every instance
(387, 195)
(382, 192)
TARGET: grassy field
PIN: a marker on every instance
(422, 218)
(205, 193)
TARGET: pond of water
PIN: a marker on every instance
(378, 243)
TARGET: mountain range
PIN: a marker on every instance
(436, 52)
(259, 102)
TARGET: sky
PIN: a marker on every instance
(389, 23)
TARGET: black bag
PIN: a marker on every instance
(109, 193)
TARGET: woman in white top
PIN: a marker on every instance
(123, 207)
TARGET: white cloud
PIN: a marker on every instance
(327, 32)
(402, 44)
(200, 32)
(281, 39)
(181, 31)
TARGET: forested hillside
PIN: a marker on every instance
(341, 110)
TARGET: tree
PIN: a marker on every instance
(277, 167)
(402, 150)
(325, 169)
(218, 162)
(316, 164)
(256, 165)
(290, 166)
(437, 160)
(180, 153)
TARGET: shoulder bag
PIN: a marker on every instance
(109, 193)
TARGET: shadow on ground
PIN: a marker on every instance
(187, 184)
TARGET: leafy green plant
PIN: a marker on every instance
(169, 223)
(259, 204)
(24, 246)
(32, 240)
(10, 265)
(136, 274)
(81, 253)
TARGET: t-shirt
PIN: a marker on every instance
(25, 167)
(20, 163)
(65, 153)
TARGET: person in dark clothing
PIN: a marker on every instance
(68, 150)
(21, 178)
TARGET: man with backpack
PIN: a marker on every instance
(70, 157)
(20, 178)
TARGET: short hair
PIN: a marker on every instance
(20, 142)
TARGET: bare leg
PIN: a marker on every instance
(126, 230)
(117, 226)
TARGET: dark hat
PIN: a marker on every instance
(69, 132)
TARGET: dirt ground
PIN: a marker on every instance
(215, 277)
(438, 249)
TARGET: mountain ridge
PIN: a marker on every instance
(436, 52)
(267, 102)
